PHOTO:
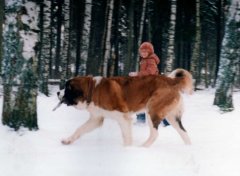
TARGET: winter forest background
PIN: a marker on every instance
(49, 41)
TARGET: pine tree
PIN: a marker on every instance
(229, 59)
(19, 64)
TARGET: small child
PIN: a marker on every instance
(148, 66)
(148, 61)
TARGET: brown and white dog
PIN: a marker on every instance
(120, 97)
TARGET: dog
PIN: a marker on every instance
(120, 97)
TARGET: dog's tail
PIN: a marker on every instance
(183, 79)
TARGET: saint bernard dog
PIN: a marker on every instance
(120, 97)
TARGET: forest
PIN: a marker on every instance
(47, 42)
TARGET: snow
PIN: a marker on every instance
(215, 148)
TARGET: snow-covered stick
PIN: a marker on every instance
(57, 106)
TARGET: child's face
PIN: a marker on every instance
(144, 53)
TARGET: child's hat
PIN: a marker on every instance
(147, 46)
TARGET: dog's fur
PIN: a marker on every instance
(119, 97)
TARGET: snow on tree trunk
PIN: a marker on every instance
(19, 64)
(45, 47)
(229, 59)
(108, 38)
(65, 51)
(141, 31)
(85, 37)
(171, 35)
(196, 50)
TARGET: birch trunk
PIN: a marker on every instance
(85, 37)
(141, 31)
(171, 34)
(228, 61)
(44, 55)
(196, 50)
(1, 24)
(20, 65)
(65, 50)
(108, 38)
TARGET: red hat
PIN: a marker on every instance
(147, 46)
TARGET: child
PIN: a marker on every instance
(148, 61)
(148, 66)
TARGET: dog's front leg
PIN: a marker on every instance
(125, 122)
(90, 125)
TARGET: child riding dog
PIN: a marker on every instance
(148, 66)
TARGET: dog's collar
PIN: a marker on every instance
(90, 90)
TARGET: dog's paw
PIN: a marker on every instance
(66, 141)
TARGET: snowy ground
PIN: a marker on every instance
(215, 150)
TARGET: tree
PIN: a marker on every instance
(65, 56)
(44, 53)
(141, 29)
(171, 34)
(229, 59)
(108, 37)
(19, 64)
(59, 38)
(196, 50)
(85, 36)
(1, 24)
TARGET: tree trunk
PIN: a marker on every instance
(65, 50)
(171, 35)
(130, 39)
(19, 65)
(52, 37)
(220, 33)
(86, 36)
(228, 62)
(141, 31)
(1, 24)
(195, 67)
(59, 38)
(108, 39)
(44, 55)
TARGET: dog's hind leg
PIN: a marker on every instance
(177, 124)
(90, 125)
(153, 125)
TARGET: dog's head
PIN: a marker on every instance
(74, 92)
